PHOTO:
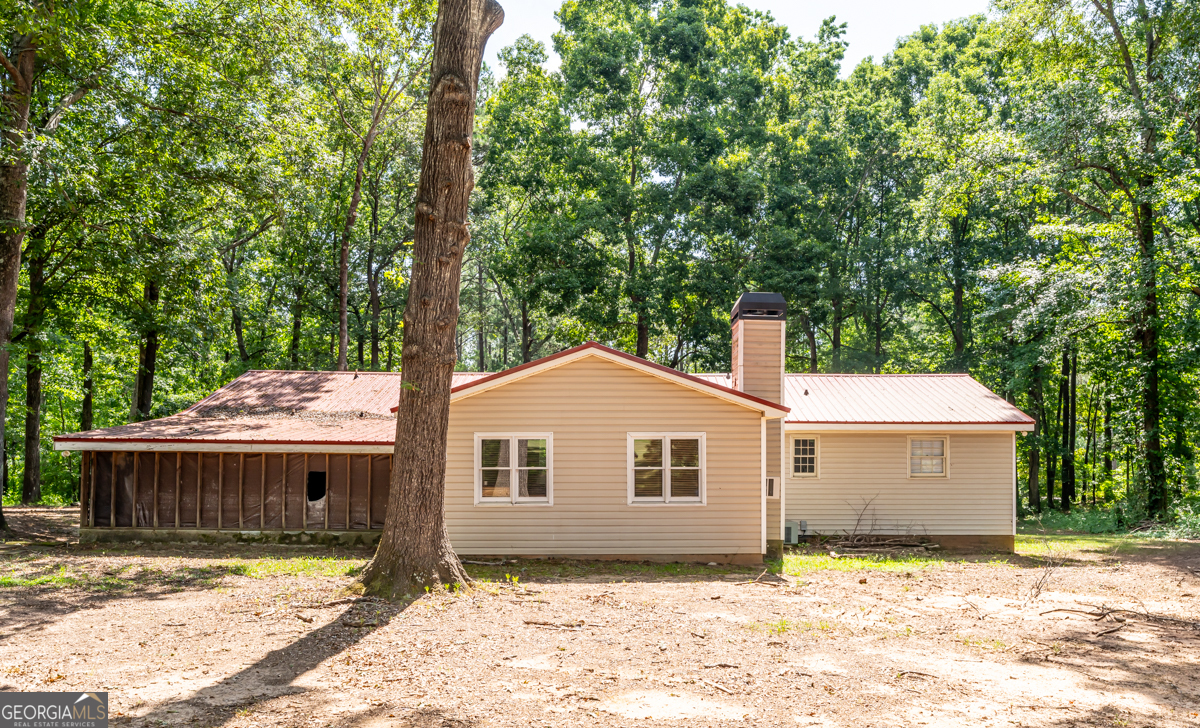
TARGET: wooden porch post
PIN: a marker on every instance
(178, 475)
(137, 457)
(156, 470)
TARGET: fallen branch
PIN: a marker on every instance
(710, 683)
(574, 626)
(501, 562)
(721, 664)
(1111, 630)
(902, 673)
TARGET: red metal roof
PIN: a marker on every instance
(372, 392)
(927, 399)
(281, 407)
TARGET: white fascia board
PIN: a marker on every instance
(896, 427)
(235, 447)
(767, 411)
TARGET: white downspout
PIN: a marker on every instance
(762, 449)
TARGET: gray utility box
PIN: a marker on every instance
(794, 530)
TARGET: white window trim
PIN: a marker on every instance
(945, 474)
(666, 499)
(791, 456)
(512, 499)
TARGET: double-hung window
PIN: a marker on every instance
(514, 468)
(804, 457)
(927, 457)
(666, 468)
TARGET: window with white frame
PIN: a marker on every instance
(513, 468)
(927, 457)
(804, 457)
(666, 467)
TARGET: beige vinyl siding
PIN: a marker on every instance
(590, 405)
(975, 499)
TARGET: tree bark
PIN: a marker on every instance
(1066, 390)
(85, 412)
(479, 332)
(1108, 460)
(810, 337)
(1039, 408)
(31, 477)
(14, 193)
(297, 326)
(414, 549)
(143, 384)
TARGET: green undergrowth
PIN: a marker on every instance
(797, 564)
(310, 566)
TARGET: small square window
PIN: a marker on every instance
(804, 457)
(927, 457)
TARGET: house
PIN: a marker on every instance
(589, 453)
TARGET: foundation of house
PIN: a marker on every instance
(214, 536)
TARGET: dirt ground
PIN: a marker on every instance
(263, 636)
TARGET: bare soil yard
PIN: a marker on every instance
(265, 636)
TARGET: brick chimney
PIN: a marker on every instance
(758, 321)
(758, 331)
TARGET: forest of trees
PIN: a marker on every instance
(218, 185)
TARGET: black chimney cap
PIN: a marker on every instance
(768, 306)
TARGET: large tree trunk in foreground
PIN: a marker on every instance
(14, 189)
(414, 550)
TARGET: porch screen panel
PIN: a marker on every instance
(251, 500)
(335, 487)
(229, 490)
(123, 490)
(360, 479)
(381, 481)
(102, 503)
(210, 502)
(187, 490)
(273, 506)
(296, 491)
(144, 507)
(166, 489)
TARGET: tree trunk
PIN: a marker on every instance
(1108, 460)
(344, 261)
(1073, 423)
(297, 324)
(85, 412)
(31, 477)
(479, 331)
(414, 549)
(376, 311)
(239, 335)
(1064, 422)
(1156, 477)
(14, 193)
(810, 337)
(1068, 447)
(1035, 396)
(143, 386)
(527, 335)
(836, 342)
